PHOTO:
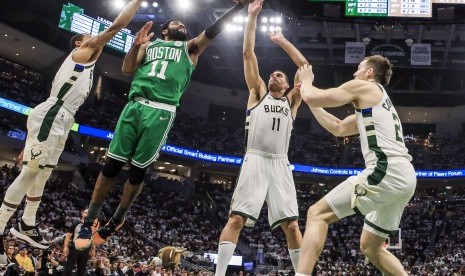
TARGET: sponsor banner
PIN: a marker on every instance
(355, 52)
(420, 54)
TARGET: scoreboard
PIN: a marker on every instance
(74, 20)
(383, 8)
(391, 8)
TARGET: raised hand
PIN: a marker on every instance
(141, 36)
(255, 7)
(276, 36)
(306, 73)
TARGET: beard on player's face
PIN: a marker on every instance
(176, 34)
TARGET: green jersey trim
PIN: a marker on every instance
(46, 125)
(381, 164)
(372, 225)
(187, 53)
(278, 222)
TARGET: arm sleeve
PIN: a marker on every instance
(216, 28)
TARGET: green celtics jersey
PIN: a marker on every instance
(164, 73)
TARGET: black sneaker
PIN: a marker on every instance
(105, 232)
(84, 237)
(29, 234)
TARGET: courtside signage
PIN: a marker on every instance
(225, 159)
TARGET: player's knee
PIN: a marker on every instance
(313, 213)
(112, 167)
(291, 227)
(236, 222)
(136, 175)
(367, 249)
(318, 212)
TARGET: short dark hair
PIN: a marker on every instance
(72, 42)
(382, 68)
(165, 26)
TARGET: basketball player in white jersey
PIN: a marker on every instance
(48, 126)
(266, 174)
(381, 192)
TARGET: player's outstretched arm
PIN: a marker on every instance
(136, 54)
(316, 99)
(90, 50)
(298, 59)
(333, 97)
(197, 45)
(255, 84)
(296, 56)
(338, 127)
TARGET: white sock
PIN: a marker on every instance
(300, 274)
(225, 252)
(35, 190)
(295, 255)
(30, 211)
(5, 215)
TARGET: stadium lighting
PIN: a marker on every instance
(240, 19)
(278, 20)
(144, 4)
(155, 4)
(264, 19)
(119, 4)
(239, 28)
(272, 28)
(229, 27)
(184, 4)
(263, 28)
(272, 20)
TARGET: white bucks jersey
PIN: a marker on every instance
(73, 82)
(269, 125)
(381, 134)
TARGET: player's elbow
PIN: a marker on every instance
(247, 53)
(337, 133)
(338, 130)
(127, 71)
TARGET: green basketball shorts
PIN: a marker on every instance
(142, 130)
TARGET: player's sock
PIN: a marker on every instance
(294, 254)
(225, 252)
(94, 210)
(120, 213)
(30, 211)
(15, 194)
(35, 191)
(5, 215)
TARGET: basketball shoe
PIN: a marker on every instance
(29, 234)
(84, 237)
(105, 232)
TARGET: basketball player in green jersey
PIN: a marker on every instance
(49, 124)
(162, 70)
(383, 189)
